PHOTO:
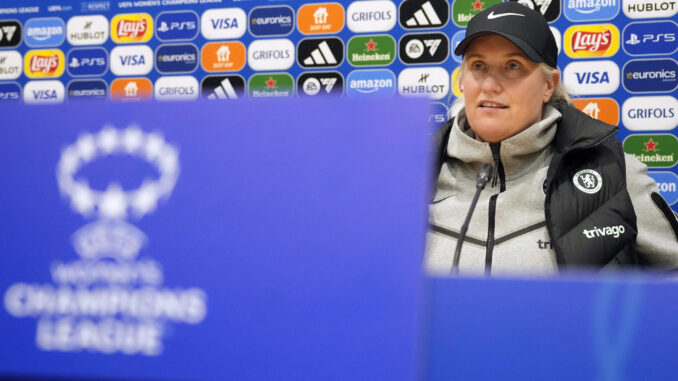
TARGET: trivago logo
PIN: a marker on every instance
(650, 76)
(657, 151)
(645, 38)
(370, 83)
(323, 18)
(590, 41)
(131, 28)
(604, 109)
(654, 113)
(44, 63)
(591, 10)
(463, 10)
(667, 184)
(272, 85)
(371, 50)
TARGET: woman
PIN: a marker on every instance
(563, 194)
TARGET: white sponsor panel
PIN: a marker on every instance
(557, 36)
(44, 92)
(87, 30)
(11, 65)
(275, 54)
(225, 23)
(177, 88)
(429, 82)
(371, 16)
(131, 60)
(657, 113)
(646, 9)
(591, 77)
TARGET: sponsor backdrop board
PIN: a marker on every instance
(155, 242)
(618, 57)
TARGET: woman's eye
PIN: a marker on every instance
(513, 65)
(477, 66)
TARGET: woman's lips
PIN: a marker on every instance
(491, 105)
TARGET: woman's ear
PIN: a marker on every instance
(551, 84)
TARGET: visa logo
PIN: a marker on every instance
(44, 94)
(224, 23)
(592, 77)
(132, 60)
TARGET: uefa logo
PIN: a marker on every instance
(644, 38)
(650, 75)
(87, 62)
(271, 21)
(44, 32)
(177, 25)
(370, 83)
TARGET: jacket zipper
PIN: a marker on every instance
(549, 227)
(492, 210)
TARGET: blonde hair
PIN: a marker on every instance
(559, 94)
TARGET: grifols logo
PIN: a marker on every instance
(132, 28)
(583, 41)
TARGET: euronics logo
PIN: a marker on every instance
(271, 85)
(271, 21)
(371, 50)
(647, 76)
(657, 150)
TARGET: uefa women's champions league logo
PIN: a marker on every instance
(109, 301)
(111, 235)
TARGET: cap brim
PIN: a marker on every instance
(522, 45)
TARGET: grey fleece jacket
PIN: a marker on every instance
(522, 246)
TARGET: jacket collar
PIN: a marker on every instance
(577, 130)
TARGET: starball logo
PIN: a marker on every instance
(588, 41)
(44, 63)
(131, 28)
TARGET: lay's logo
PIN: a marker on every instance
(591, 41)
(131, 28)
(44, 63)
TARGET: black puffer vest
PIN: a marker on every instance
(582, 225)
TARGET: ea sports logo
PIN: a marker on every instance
(588, 181)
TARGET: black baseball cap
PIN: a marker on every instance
(525, 28)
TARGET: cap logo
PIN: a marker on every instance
(492, 16)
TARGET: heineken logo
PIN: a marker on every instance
(463, 10)
(271, 85)
(371, 50)
(657, 150)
